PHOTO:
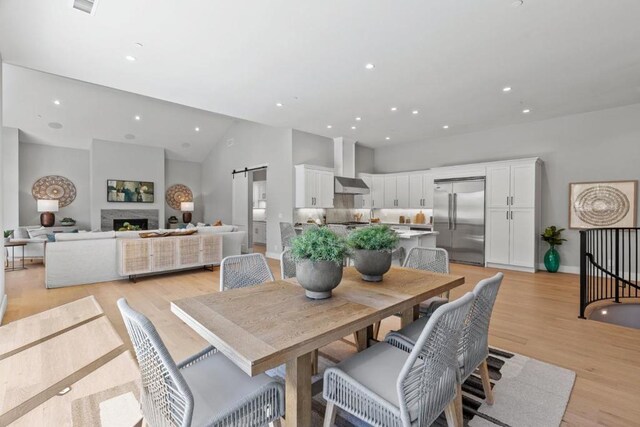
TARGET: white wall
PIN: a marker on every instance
(252, 144)
(311, 149)
(38, 160)
(3, 296)
(132, 162)
(189, 174)
(10, 178)
(597, 146)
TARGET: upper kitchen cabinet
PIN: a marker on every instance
(377, 191)
(396, 191)
(420, 191)
(314, 187)
(260, 194)
(363, 201)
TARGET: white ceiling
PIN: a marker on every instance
(447, 59)
(89, 111)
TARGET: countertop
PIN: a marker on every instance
(410, 234)
(428, 226)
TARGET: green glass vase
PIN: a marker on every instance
(552, 260)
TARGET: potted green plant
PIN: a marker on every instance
(372, 247)
(319, 254)
(7, 235)
(67, 222)
(553, 236)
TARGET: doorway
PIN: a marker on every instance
(249, 207)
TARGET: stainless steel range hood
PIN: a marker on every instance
(344, 163)
(344, 185)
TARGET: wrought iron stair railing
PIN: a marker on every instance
(608, 265)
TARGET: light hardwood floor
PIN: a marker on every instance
(535, 315)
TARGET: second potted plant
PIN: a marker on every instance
(553, 236)
(319, 254)
(372, 247)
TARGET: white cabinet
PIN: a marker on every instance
(377, 191)
(259, 194)
(314, 187)
(420, 191)
(364, 201)
(513, 214)
(396, 191)
(259, 232)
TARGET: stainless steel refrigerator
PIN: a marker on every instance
(458, 215)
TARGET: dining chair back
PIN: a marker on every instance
(308, 225)
(474, 344)
(239, 271)
(427, 382)
(165, 397)
(340, 229)
(287, 265)
(430, 259)
(287, 233)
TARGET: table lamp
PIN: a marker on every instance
(186, 208)
(47, 207)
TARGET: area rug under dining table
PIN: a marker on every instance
(527, 392)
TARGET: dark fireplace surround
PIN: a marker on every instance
(108, 218)
(143, 223)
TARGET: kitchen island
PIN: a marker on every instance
(414, 238)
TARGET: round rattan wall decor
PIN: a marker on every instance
(54, 187)
(177, 194)
(602, 206)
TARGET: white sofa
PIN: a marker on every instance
(83, 258)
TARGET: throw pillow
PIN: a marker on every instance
(51, 237)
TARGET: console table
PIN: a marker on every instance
(161, 254)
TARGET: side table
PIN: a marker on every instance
(13, 246)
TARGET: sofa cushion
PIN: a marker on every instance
(67, 237)
(218, 229)
(38, 233)
(127, 234)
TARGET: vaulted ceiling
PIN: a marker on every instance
(447, 60)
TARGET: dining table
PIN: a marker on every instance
(264, 326)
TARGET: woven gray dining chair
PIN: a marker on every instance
(429, 259)
(307, 225)
(473, 349)
(206, 389)
(239, 271)
(287, 233)
(287, 265)
(385, 386)
(340, 229)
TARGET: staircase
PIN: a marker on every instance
(608, 265)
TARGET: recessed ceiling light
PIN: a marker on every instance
(394, 108)
(506, 89)
(55, 125)
(358, 118)
(56, 101)
(137, 118)
(369, 66)
(139, 44)
(353, 127)
(414, 112)
(129, 136)
(387, 138)
(130, 58)
(445, 127)
(329, 126)
(526, 111)
(279, 104)
(197, 129)
(517, 3)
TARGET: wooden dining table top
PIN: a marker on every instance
(263, 326)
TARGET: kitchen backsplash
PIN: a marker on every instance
(343, 215)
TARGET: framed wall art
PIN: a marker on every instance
(129, 191)
(603, 204)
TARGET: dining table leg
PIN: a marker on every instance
(298, 391)
(409, 316)
(363, 338)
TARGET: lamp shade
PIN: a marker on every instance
(186, 206)
(47, 205)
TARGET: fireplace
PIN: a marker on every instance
(143, 223)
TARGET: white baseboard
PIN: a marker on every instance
(563, 269)
(3, 307)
